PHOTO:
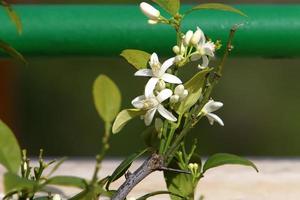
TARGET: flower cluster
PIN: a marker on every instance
(155, 90)
(163, 85)
(195, 47)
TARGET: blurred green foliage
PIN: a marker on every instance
(261, 107)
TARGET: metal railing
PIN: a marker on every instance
(105, 30)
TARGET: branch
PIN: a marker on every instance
(153, 163)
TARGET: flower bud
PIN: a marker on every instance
(179, 90)
(191, 166)
(184, 94)
(178, 58)
(158, 124)
(174, 99)
(152, 22)
(196, 37)
(56, 197)
(187, 38)
(182, 49)
(176, 49)
(160, 85)
(25, 166)
(149, 11)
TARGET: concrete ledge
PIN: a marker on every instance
(279, 179)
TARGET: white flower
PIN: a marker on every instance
(150, 12)
(152, 104)
(210, 107)
(205, 49)
(157, 72)
(56, 197)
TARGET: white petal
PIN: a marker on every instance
(149, 116)
(202, 39)
(166, 65)
(212, 106)
(213, 117)
(144, 72)
(169, 78)
(163, 95)
(150, 86)
(154, 59)
(205, 61)
(209, 52)
(166, 114)
(195, 57)
(137, 102)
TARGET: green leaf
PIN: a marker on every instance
(217, 6)
(220, 159)
(10, 152)
(13, 182)
(146, 196)
(13, 16)
(124, 166)
(124, 117)
(137, 58)
(72, 181)
(194, 86)
(12, 52)
(171, 6)
(180, 184)
(107, 98)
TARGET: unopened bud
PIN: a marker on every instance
(152, 22)
(184, 94)
(196, 36)
(149, 11)
(25, 166)
(160, 85)
(182, 49)
(174, 99)
(178, 58)
(187, 38)
(176, 49)
(179, 90)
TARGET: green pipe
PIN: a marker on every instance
(105, 30)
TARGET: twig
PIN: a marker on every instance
(153, 163)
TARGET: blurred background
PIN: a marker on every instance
(49, 104)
